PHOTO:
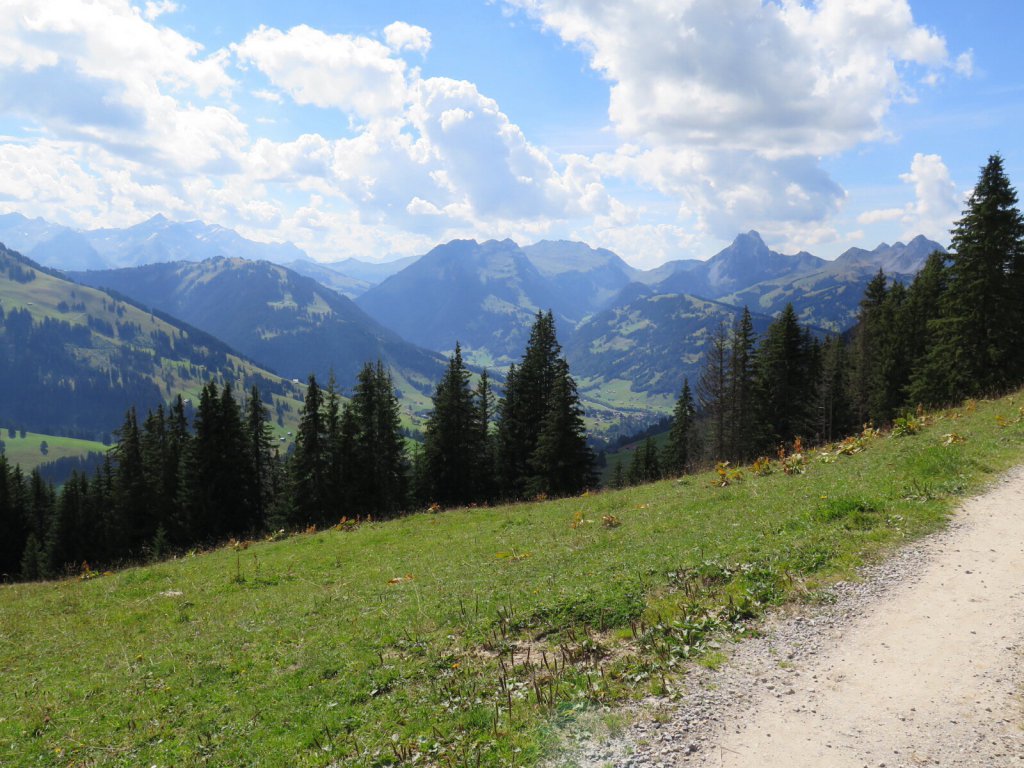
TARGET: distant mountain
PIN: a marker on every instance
(289, 322)
(73, 359)
(325, 275)
(22, 234)
(584, 279)
(894, 259)
(159, 240)
(745, 262)
(640, 351)
(70, 250)
(371, 272)
(484, 295)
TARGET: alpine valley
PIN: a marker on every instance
(140, 314)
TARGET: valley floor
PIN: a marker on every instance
(919, 664)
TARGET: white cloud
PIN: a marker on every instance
(353, 74)
(728, 107)
(883, 214)
(407, 37)
(159, 8)
(937, 203)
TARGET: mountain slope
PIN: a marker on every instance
(584, 279)
(743, 263)
(73, 358)
(898, 258)
(639, 352)
(371, 272)
(286, 321)
(484, 295)
(326, 276)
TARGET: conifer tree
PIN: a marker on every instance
(741, 408)
(380, 487)
(309, 462)
(866, 348)
(680, 437)
(645, 467)
(562, 463)
(130, 493)
(713, 390)
(976, 340)
(452, 437)
(260, 449)
(785, 381)
(486, 471)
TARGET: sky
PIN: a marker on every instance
(657, 128)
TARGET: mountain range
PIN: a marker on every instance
(630, 335)
(73, 359)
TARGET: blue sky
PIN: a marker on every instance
(656, 128)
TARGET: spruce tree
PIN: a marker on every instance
(645, 467)
(309, 471)
(976, 340)
(713, 391)
(485, 471)
(680, 437)
(785, 380)
(562, 462)
(260, 450)
(452, 437)
(380, 485)
(866, 348)
(741, 408)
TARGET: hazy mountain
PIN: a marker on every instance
(73, 359)
(289, 322)
(160, 240)
(584, 279)
(893, 259)
(745, 262)
(22, 234)
(371, 272)
(69, 249)
(325, 275)
(484, 295)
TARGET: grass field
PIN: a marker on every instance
(25, 451)
(462, 638)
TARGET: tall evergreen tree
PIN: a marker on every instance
(259, 442)
(713, 390)
(785, 380)
(562, 462)
(380, 488)
(976, 340)
(740, 407)
(680, 437)
(645, 467)
(484, 413)
(309, 470)
(452, 437)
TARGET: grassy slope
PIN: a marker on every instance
(302, 652)
(24, 451)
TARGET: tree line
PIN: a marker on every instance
(956, 331)
(168, 485)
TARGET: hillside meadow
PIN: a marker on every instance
(464, 637)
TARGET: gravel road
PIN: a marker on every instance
(919, 664)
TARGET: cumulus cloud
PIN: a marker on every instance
(407, 37)
(354, 74)
(159, 8)
(729, 106)
(936, 205)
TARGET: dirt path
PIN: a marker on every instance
(920, 665)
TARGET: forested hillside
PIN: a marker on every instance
(75, 358)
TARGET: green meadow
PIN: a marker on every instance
(464, 637)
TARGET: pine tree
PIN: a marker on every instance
(865, 352)
(380, 485)
(680, 438)
(834, 413)
(976, 340)
(562, 462)
(260, 449)
(785, 380)
(713, 390)
(645, 467)
(452, 437)
(484, 412)
(308, 466)
(131, 493)
(741, 408)
(618, 476)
